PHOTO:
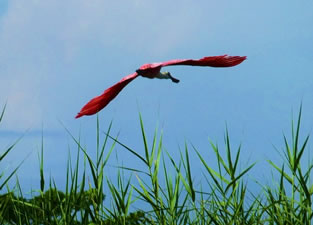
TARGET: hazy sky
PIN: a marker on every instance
(56, 55)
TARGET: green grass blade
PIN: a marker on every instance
(11, 174)
(2, 113)
(129, 149)
(144, 139)
(238, 177)
(289, 179)
(189, 176)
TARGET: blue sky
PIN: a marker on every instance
(56, 55)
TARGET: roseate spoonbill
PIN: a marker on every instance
(153, 70)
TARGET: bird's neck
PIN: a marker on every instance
(163, 75)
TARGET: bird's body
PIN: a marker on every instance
(153, 70)
(148, 71)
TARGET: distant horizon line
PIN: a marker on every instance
(30, 133)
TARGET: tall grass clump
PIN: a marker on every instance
(291, 202)
(165, 190)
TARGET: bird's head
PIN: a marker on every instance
(169, 76)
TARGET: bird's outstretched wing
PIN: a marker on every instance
(212, 61)
(99, 102)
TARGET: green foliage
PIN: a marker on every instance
(165, 188)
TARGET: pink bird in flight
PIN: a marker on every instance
(153, 70)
